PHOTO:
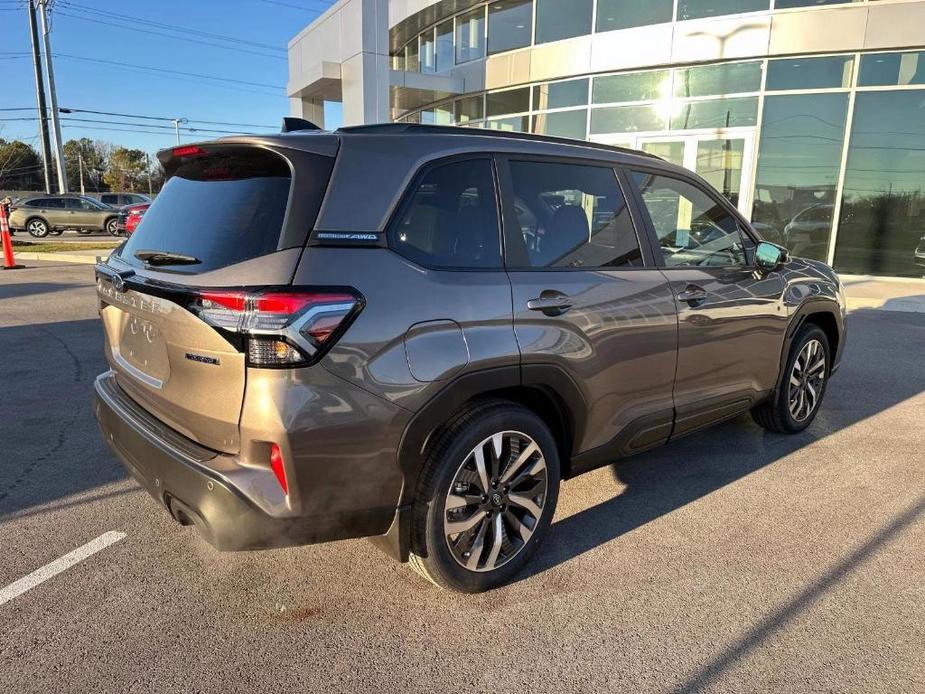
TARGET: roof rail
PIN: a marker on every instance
(397, 128)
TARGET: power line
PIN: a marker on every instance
(163, 118)
(149, 126)
(169, 27)
(166, 70)
(198, 42)
(295, 7)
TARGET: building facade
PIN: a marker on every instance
(809, 115)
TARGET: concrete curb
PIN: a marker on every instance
(60, 257)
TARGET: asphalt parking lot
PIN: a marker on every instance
(733, 560)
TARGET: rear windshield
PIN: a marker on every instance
(224, 207)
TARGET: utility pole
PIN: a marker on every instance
(176, 125)
(55, 119)
(148, 170)
(80, 163)
(40, 96)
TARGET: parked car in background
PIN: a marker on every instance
(807, 233)
(121, 199)
(920, 254)
(298, 356)
(130, 216)
(47, 214)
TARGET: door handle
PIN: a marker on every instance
(551, 303)
(693, 294)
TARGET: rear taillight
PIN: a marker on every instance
(283, 328)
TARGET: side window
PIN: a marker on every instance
(109, 199)
(573, 216)
(693, 228)
(451, 220)
(73, 204)
(53, 203)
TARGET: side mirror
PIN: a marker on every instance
(769, 256)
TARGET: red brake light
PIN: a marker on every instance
(276, 464)
(188, 151)
(285, 328)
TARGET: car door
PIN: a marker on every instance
(77, 216)
(731, 321)
(591, 312)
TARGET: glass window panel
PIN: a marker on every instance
(428, 59)
(726, 78)
(398, 60)
(510, 25)
(695, 9)
(799, 155)
(716, 113)
(562, 124)
(882, 218)
(412, 61)
(468, 108)
(511, 101)
(888, 69)
(562, 19)
(623, 14)
(810, 73)
(560, 94)
(635, 86)
(720, 164)
(573, 216)
(452, 219)
(439, 115)
(672, 151)
(786, 4)
(519, 124)
(622, 119)
(443, 51)
(470, 35)
(692, 228)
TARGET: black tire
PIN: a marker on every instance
(775, 414)
(451, 457)
(37, 227)
(110, 226)
(84, 232)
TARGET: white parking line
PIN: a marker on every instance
(17, 588)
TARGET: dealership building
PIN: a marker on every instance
(809, 115)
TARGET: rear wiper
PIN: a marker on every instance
(166, 258)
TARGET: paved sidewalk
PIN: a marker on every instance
(887, 294)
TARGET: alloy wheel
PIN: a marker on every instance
(806, 380)
(37, 228)
(495, 501)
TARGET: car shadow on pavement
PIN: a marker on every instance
(880, 369)
(51, 447)
(23, 289)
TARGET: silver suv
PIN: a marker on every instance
(414, 333)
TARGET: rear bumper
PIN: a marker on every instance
(190, 482)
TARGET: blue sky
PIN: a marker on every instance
(84, 31)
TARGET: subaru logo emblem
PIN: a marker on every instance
(118, 283)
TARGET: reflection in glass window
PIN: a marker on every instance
(511, 101)
(452, 219)
(695, 9)
(412, 61)
(786, 4)
(562, 123)
(444, 46)
(428, 59)
(562, 19)
(798, 160)
(560, 94)
(882, 217)
(716, 113)
(470, 35)
(623, 14)
(720, 164)
(889, 69)
(692, 228)
(573, 216)
(724, 78)
(468, 108)
(439, 115)
(830, 72)
(671, 151)
(519, 124)
(510, 24)
(398, 60)
(634, 86)
(626, 119)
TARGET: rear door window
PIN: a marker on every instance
(227, 206)
(451, 218)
